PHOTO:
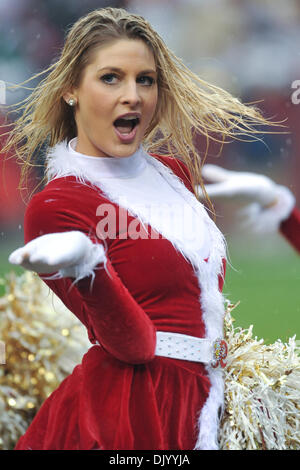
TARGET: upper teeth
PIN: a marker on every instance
(130, 117)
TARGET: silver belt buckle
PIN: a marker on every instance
(220, 352)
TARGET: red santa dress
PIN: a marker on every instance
(156, 278)
(290, 228)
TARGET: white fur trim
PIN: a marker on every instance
(94, 256)
(60, 163)
(63, 160)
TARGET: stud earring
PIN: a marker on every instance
(72, 102)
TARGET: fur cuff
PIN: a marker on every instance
(96, 255)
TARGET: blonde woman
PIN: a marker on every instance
(119, 234)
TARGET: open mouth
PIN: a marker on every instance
(125, 126)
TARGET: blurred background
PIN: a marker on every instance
(248, 47)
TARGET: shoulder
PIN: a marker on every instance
(65, 191)
(178, 167)
(63, 204)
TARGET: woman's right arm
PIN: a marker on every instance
(119, 324)
(271, 207)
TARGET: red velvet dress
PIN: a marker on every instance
(290, 229)
(121, 396)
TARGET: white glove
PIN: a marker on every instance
(72, 254)
(268, 203)
(239, 186)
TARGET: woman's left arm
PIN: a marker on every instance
(290, 228)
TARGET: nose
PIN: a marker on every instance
(131, 95)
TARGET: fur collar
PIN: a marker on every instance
(60, 162)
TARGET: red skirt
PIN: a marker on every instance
(106, 404)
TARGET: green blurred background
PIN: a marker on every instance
(265, 277)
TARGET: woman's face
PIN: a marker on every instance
(116, 99)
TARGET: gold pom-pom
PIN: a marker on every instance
(43, 343)
(262, 392)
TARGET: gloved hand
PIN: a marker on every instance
(72, 254)
(239, 186)
(268, 203)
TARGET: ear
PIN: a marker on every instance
(67, 97)
(71, 94)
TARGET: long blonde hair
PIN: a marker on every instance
(187, 105)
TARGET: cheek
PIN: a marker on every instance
(152, 104)
(100, 105)
(96, 101)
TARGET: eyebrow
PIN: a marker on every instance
(117, 69)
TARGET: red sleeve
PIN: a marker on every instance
(290, 229)
(105, 305)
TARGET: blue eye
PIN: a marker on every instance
(111, 79)
(108, 78)
(146, 80)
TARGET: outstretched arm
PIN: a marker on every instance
(269, 207)
(119, 324)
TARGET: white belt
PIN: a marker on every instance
(190, 348)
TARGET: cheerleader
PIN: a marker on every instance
(119, 234)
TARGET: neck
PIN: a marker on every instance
(64, 160)
(75, 147)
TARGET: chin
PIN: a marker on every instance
(125, 150)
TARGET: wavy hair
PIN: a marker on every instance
(187, 105)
